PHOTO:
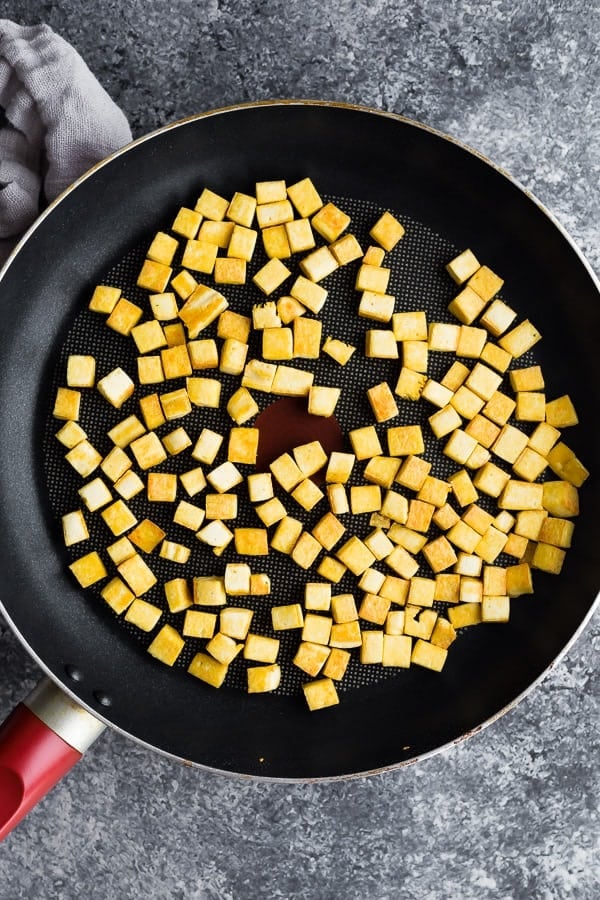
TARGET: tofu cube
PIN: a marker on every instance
(148, 450)
(235, 622)
(286, 472)
(288, 617)
(193, 481)
(338, 499)
(188, 515)
(271, 276)
(395, 507)
(150, 370)
(336, 664)
(495, 609)
(322, 400)
(485, 282)
(340, 466)
(243, 445)
(365, 442)
(208, 669)
(497, 318)
(84, 458)
(405, 440)
(387, 231)
(471, 341)
(306, 338)
(260, 487)
(229, 270)
(117, 595)
(199, 624)
(147, 536)
(242, 406)
(176, 441)
(104, 298)
(378, 307)
(125, 316)
(81, 371)
(242, 243)
(152, 411)
(346, 635)
(143, 615)
(277, 343)
(305, 197)
(264, 315)
(167, 645)
(365, 498)
(139, 577)
(251, 541)
(286, 535)
(308, 293)
(560, 413)
(211, 205)
(271, 511)
(371, 650)
(374, 279)
(275, 242)
(71, 434)
(66, 404)
(419, 622)
(154, 276)
(330, 222)
(561, 499)
(260, 648)
(95, 494)
(328, 530)
(311, 657)
(224, 477)
(410, 384)
(443, 634)
(443, 337)
(439, 554)
(521, 339)
(462, 266)
(207, 446)
(320, 694)
(300, 235)
(317, 596)
(306, 549)
(466, 306)
(346, 249)
(276, 212)
(241, 209)
(161, 487)
(318, 264)
(381, 470)
(338, 350)
(355, 555)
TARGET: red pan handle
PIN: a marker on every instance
(39, 742)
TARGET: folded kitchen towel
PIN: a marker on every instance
(55, 122)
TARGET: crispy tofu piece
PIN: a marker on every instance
(317, 596)
(275, 212)
(209, 590)
(229, 270)
(203, 354)
(260, 648)
(371, 650)
(519, 580)
(365, 498)
(343, 608)
(467, 305)
(264, 315)
(287, 617)
(419, 515)
(147, 536)
(138, 576)
(202, 307)
(84, 458)
(286, 535)
(464, 615)
(410, 326)
(223, 648)
(292, 382)
(200, 255)
(207, 446)
(462, 266)
(459, 446)
(241, 209)
(199, 624)
(355, 555)
(374, 256)
(117, 595)
(260, 584)
(471, 341)
(320, 694)
(318, 264)
(531, 406)
(260, 487)
(497, 318)
(154, 275)
(305, 197)
(330, 222)
(436, 394)
(560, 499)
(387, 231)
(439, 554)
(445, 517)
(167, 645)
(491, 545)
(251, 541)
(193, 481)
(306, 549)
(395, 507)
(148, 450)
(66, 404)
(316, 629)
(485, 282)
(372, 278)
(548, 558)
(286, 472)
(397, 650)
(95, 494)
(161, 487)
(187, 222)
(242, 406)
(88, 569)
(211, 205)
(340, 467)
(466, 402)
(275, 242)
(152, 411)
(520, 339)
(242, 243)
(288, 309)
(328, 530)
(306, 338)
(336, 664)
(81, 371)
(402, 563)
(496, 357)
(184, 284)
(176, 361)
(71, 434)
(150, 370)
(277, 343)
(221, 506)
(529, 378)
(338, 499)
(243, 445)
(338, 350)
(381, 470)
(311, 657)
(529, 465)
(308, 293)
(143, 615)
(271, 276)
(104, 299)
(434, 491)
(365, 442)
(215, 534)
(443, 337)
(224, 477)
(176, 441)
(271, 511)
(405, 440)
(428, 655)
(560, 413)
(410, 384)
(234, 622)
(345, 635)
(490, 479)
(208, 669)
(299, 235)
(124, 316)
(510, 443)
(382, 402)
(188, 515)
(218, 233)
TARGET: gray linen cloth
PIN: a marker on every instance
(55, 122)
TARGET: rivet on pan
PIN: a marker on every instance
(102, 698)
(74, 673)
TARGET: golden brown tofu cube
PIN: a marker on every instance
(251, 541)
(306, 338)
(365, 442)
(167, 645)
(161, 487)
(439, 554)
(382, 402)
(561, 499)
(148, 450)
(154, 276)
(104, 299)
(147, 536)
(346, 249)
(462, 266)
(323, 400)
(336, 664)
(243, 445)
(466, 306)
(305, 197)
(428, 655)
(271, 276)
(320, 694)
(137, 574)
(66, 404)
(355, 555)
(88, 569)
(299, 235)
(328, 531)
(405, 440)
(387, 231)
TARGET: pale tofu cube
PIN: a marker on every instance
(271, 276)
(129, 484)
(478, 519)
(292, 382)
(318, 264)
(203, 354)
(176, 441)
(286, 535)
(288, 617)
(436, 394)
(259, 375)
(260, 487)
(410, 384)
(224, 477)
(528, 379)
(529, 465)
(394, 623)
(379, 544)
(260, 648)
(74, 528)
(495, 609)
(174, 552)
(499, 408)
(207, 446)
(84, 458)
(531, 406)
(402, 563)
(410, 326)
(372, 278)
(95, 494)
(371, 650)
(235, 621)
(340, 466)
(208, 669)
(275, 212)
(466, 403)
(323, 400)
(150, 370)
(378, 307)
(338, 499)
(338, 350)
(521, 339)
(215, 534)
(406, 537)
(483, 381)
(459, 446)
(397, 650)
(380, 344)
(490, 479)
(510, 443)
(320, 694)
(395, 507)
(242, 406)
(365, 442)
(497, 318)
(462, 266)
(317, 629)
(463, 536)
(251, 541)
(306, 550)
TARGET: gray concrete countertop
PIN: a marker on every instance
(513, 812)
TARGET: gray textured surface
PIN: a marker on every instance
(513, 813)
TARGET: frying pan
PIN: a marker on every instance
(349, 152)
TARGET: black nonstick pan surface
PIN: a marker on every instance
(453, 199)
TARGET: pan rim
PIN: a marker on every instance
(438, 134)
